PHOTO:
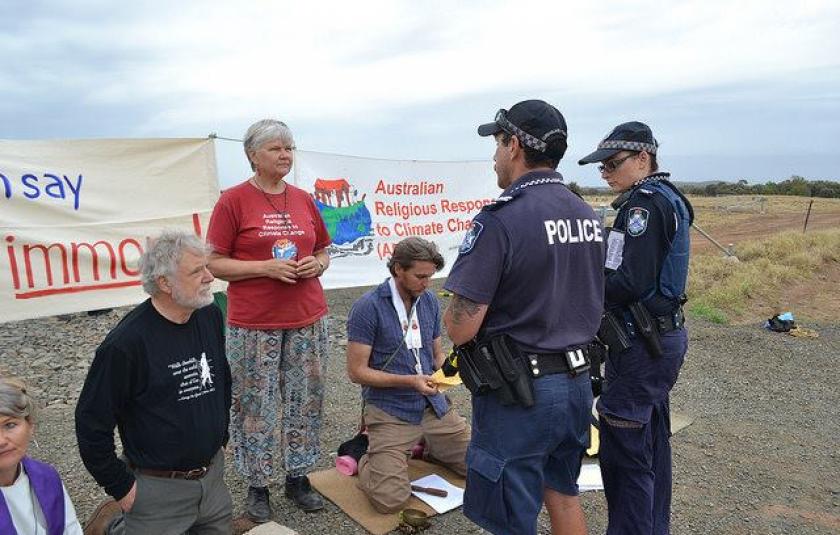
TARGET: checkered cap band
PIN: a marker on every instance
(636, 146)
(526, 138)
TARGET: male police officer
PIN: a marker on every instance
(528, 286)
(647, 267)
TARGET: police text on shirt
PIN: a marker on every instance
(573, 231)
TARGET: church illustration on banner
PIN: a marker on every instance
(346, 216)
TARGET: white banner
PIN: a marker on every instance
(369, 205)
(75, 215)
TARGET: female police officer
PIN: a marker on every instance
(646, 271)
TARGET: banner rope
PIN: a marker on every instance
(214, 135)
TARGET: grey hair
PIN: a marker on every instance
(15, 401)
(414, 249)
(163, 254)
(261, 132)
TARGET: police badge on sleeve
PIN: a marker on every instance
(637, 221)
(470, 237)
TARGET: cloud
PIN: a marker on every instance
(341, 59)
(403, 79)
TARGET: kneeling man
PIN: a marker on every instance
(394, 346)
(162, 379)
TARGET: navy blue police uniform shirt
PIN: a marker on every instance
(637, 246)
(536, 258)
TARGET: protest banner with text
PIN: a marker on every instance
(369, 205)
(75, 216)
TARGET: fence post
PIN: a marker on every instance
(808, 215)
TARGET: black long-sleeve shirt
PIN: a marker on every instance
(645, 246)
(165, 386)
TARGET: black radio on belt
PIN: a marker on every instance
(613, 334)
(645, 325)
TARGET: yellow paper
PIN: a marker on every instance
(445, 383)
(594, 442)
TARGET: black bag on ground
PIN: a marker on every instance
(779, 325)
(356, 447)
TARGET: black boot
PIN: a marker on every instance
(257, 506)
(300, 491)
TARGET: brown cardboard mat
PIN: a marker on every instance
(342, 491)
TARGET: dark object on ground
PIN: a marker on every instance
(257, 505)
(243, 524)
(355, 447)
(431, 491)
(300, 491)
(413, 518)
(779, 325)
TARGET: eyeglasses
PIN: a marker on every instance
(611, 165)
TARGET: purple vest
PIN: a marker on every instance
(46, 483)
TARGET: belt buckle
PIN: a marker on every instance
(576, 360)
(195, 473)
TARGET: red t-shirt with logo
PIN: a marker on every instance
(248, 224)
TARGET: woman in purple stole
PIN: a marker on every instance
(33, 501)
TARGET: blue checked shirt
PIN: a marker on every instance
(374, 322)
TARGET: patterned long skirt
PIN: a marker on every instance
(277, 374)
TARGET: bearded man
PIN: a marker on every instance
(161, 378)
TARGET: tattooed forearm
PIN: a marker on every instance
(463, 319)
(462, 308)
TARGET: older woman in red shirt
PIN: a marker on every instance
(270, 243)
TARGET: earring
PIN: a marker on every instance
(35, 441)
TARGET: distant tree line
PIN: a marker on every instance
(795, 185)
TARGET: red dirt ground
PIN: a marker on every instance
(759, 226)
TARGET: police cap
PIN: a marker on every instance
(633, 136)
(533, 122)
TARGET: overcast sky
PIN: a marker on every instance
(732, 89)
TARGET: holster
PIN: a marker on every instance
(496, 365)
(612, 333)
(478, 377)
(597, 352)
(646, 328)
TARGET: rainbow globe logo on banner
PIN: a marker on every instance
(347, 218)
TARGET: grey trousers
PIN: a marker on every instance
(178, 506)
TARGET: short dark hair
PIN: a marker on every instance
(414, 249)
(534, 158)
(654, 165)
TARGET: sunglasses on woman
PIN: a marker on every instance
(611, 165)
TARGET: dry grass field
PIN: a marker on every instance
(780, 268)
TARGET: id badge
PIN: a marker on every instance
(615, 250)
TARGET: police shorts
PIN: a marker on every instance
(516, 452)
